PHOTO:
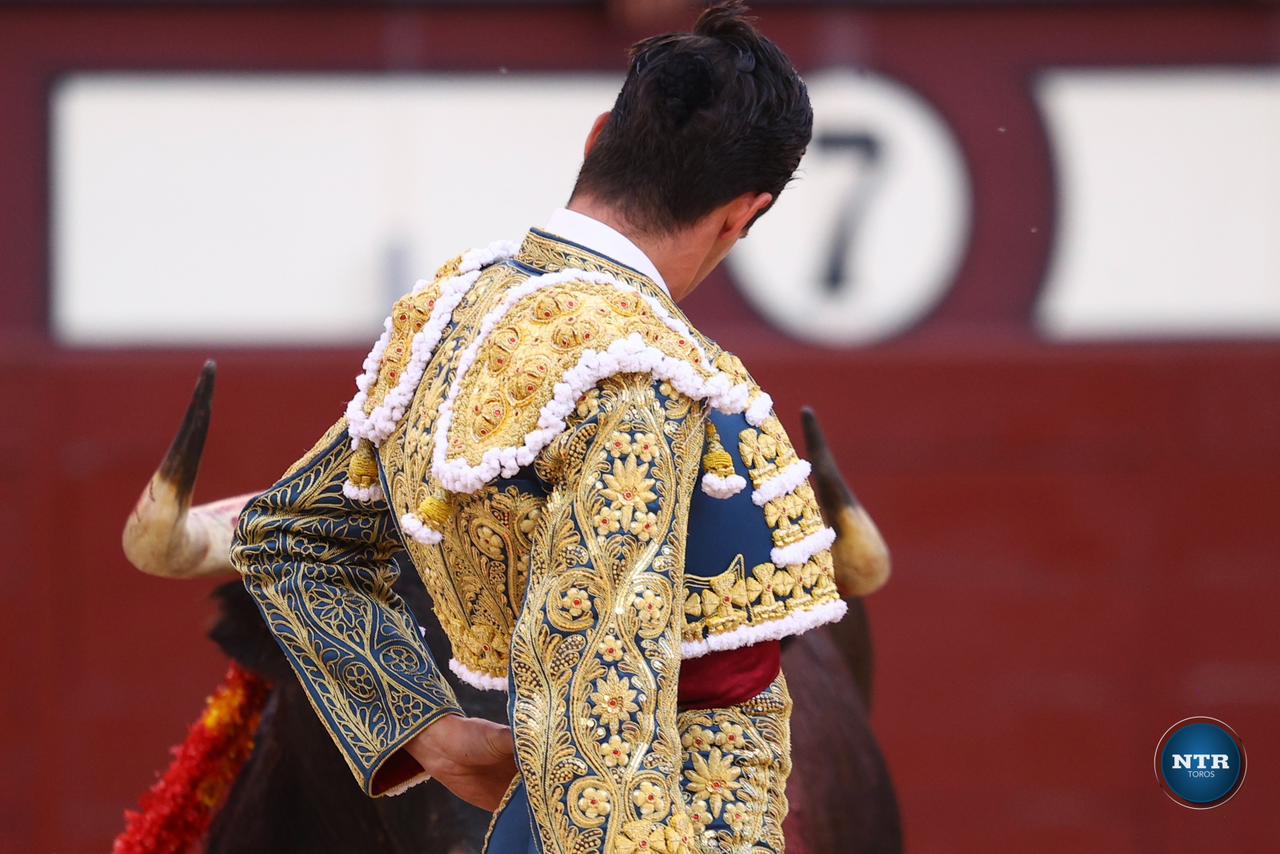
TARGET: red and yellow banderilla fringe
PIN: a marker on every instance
(175, 813)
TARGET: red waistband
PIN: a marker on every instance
(720, 679)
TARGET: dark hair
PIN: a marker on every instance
(702, 118)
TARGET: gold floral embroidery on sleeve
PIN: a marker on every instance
(736, 764)
(595, 654)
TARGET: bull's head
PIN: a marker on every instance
(165, 535)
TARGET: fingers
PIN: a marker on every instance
(499, 742)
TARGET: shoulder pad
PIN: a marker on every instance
(409, 338)
(551, 340)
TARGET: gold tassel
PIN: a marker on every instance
(363, 468)
(716, 459)
(434, 510)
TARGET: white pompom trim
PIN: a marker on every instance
(797, 553)
(487, 256)
(475, 679)
(758, 412)
(794, 623)
(626, 355)
(367, 379)
(365, 494)
(781, 483)
(381, 422)
(723, 487)
(413, 527)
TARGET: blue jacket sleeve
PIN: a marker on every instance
(320, 567)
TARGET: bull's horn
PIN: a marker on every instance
(164, 535)
(860, 555)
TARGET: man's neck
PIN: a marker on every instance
(678, 260)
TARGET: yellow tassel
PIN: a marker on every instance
(716, 459)
(434, 511)
(363, 468)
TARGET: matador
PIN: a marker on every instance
(611, 522)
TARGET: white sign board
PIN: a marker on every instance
(1169, 189)
(282, 209)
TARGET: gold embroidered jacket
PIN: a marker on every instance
(563, 458)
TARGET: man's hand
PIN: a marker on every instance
(472, 757)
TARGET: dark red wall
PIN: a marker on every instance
(1085, 537)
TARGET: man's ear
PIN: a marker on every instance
(596, 128)
(742, 212)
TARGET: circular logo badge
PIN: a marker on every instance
(1200, 762)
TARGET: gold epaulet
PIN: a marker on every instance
(395, 365)
(547, 348)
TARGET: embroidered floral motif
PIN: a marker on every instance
(608, 520)
(735, 815)
(730, 737)
(594, 802)
(649, 799)
(628, 488)
(700, 813)
(645, 526)
(575, 602)
(713, 777)
(483, 645)
(758, 450)
(736, 763)
(697, 738)
(610, 648)
(642, 837)
(619, 444)
(645, 446)
(682, 835)
(615, 752)
(613, 701)
(651, 610)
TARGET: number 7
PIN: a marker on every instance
(868, 148)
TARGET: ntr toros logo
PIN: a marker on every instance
(1200, 762)
(1199, 768)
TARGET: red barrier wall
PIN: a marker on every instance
(1084, 536)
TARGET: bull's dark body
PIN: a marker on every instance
(296, 794)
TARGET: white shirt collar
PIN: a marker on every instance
(600, 238)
